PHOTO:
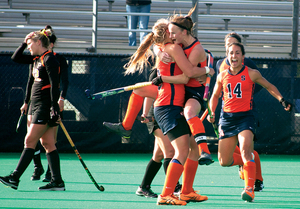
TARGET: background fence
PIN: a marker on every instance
(279, 131)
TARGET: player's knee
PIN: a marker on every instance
(224, 162)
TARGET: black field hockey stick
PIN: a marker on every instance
(210, 62)
(115, 91)
(20, 121)
(100, 188)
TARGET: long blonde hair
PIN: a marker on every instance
(140, 59)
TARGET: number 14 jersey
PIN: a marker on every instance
(237, 91)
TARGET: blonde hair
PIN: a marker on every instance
(184, 22)
(140, 59)
(43, 36)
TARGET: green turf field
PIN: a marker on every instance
(121, 174)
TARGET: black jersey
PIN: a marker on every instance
(45, 72)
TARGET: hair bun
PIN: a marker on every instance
(48, 27)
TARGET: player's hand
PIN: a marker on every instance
(61, 104)
(286, 105)
(29, 36)
(165, 57)
(144, 119)
(211, 72)
(54, 113)
(157, 81)
(201, 79)
(24, 108)
(211, 118)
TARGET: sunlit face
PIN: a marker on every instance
(32, 46)
(176, 34)
(235, 56)
(229, 41)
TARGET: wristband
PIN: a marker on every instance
(207, 70)
(60, 99)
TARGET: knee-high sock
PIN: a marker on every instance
(237, 159)
(151, 171)
(54, 164)
(258, 166)
(237, 150)
(166, 164)
(189, 173)
(249, 173)
(134, 106)
(198, 131)
(173, 174)
(37, 157)
(24, 161)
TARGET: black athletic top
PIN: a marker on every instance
(45, 73)
(21, 58)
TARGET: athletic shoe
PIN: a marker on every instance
(10, 181)
(118, 129)
(258, 186)
(193, 197)
(241, 172)
(53, 186)
(248, 194)
(177, 190)
(205, 159)
(169, 200)
(147, 192)
(47, 176)
(38, 171)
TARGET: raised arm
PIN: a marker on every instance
(258, 78)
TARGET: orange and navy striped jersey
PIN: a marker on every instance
(168, 93)
(237, 91)
(224, 64)
(187, 50)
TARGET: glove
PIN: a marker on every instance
(285, 104)
(54, 113)
(157, 81)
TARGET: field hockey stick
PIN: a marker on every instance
(208, 78)
(214, 123)
(20, 121)
(204, 115)
(150, 118)
(100, 188)
(115, 91)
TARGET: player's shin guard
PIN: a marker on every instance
(189, 173)
(249, 173)
(198, 131)
(174, 172)
(134, 106)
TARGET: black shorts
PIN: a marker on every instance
(195, 93)
(41, 114)
(171, 121)
(231, 124)
(181, 129)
